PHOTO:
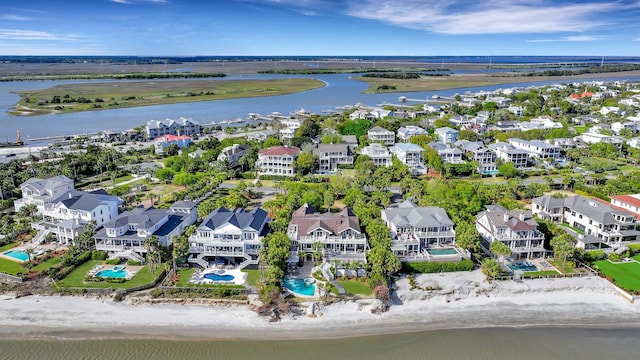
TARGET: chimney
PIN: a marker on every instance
(521, 216)
(506, 217)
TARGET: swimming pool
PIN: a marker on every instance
(524, 267)
(118, 272)
(17, 254)
(217, 277)
(443, 251)
(304, 287)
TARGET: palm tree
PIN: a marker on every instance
(29, 251)
(153, 254)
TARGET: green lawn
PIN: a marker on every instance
(185, 276)
(626, 275)
(76, 278)
(252, 277)
(355, 287)
(47, 264)
(8, 266)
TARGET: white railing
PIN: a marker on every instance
(129, 254)
(359, 240)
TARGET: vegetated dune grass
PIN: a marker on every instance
(122, 94)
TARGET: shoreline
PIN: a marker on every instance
(582, 302)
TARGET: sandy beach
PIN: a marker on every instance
(464, 300)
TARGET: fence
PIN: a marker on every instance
(88, 290)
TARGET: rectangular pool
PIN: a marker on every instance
(443, 251)
(524, 267)
(17, 254)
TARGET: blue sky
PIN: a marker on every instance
(320, 27)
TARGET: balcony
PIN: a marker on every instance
(357, 240)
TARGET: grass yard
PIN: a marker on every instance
(8, 266)
(355, 287)
(76, 278)
(253, 276)
(626, 275)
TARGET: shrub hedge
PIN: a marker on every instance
(434, 267)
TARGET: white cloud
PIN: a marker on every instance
(13, 17)
(17, 34)
(486, 17)
(576, 38)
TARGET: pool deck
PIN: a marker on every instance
(239, 277)
(131, 269)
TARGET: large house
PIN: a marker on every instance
(417, 229)
(476, 151)
(40, 192)
(339, 235)
(163, 141)
(277, 160)
(405, 133)
(594, 222)
(126, 235)
(447, 135)
(410, 155)
(630, 203)
(379, 134)
(182, 126)
(69, 217)
(515, 228)
(332, 155)
(230, 237)
(536, 148)
(378, 153)
(233, 153)
(448, 154)
(508, 153)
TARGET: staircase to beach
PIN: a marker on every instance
(40, 236)
(199, 260)
(249, 261)
(127, 254)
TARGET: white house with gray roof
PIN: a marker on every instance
(415, 230)
(40, 192)
(67, 218)
(405, 133)
(515, 228)
(476, 151)
(379, 134)
(448, 154)
(126, 235)
(378, 153)
(590, 219)
(536, 148)
(332, 155)
(229, 236)
(507, 153)
(410, 155)
(181, 126)
(447, 135)
(233, 153)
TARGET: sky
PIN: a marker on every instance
(320, 27)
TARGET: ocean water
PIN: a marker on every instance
(469, 344)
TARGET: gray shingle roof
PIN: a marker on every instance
(409, 214)
(255, 219)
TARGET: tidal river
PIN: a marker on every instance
(339, 91)
(473, 344)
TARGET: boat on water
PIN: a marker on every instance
(16, 143)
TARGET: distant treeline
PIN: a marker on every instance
(130, 76)
(590, 70)
(351, 71)
(401, 75)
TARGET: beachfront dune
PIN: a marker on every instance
(464, 300)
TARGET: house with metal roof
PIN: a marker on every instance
(125, 236)
(405, 133)
(338, 235)
(378, 153)
(69, 217)
(181, 126)
(515, 228)
(418, 230)
(410, 155)
(40, 192)
(231, 237)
